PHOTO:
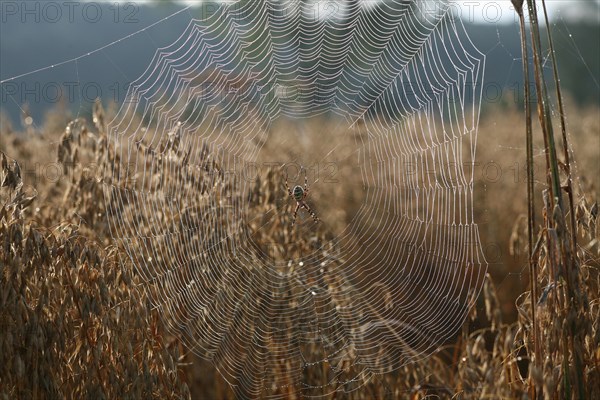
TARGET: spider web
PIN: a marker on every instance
(378, 105)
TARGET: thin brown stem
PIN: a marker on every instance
(533, 279)
(544, 108)
(563, 129)
(558, 244)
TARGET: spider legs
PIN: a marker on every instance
(299, 194)
(287, 186)
(295, 214)
(310, 211)
(305, 185)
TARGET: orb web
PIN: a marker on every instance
(196, 196)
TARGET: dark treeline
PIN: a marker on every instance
(37, 39)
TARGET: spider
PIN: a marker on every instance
(298, 193)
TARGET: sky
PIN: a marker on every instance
(502, 11)
(25, 48)
(481, 11)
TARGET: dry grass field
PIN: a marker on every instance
(120, 257)
(75, 322)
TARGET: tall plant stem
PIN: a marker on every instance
(555, 208)
(563, 129)
(544, 107)
(533, 279)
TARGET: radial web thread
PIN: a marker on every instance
(382, 290)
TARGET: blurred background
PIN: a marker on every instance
(36, 35)
(57, 58)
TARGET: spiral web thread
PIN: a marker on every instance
(386, 290)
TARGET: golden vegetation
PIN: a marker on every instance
(76, 323)
(76, 320)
